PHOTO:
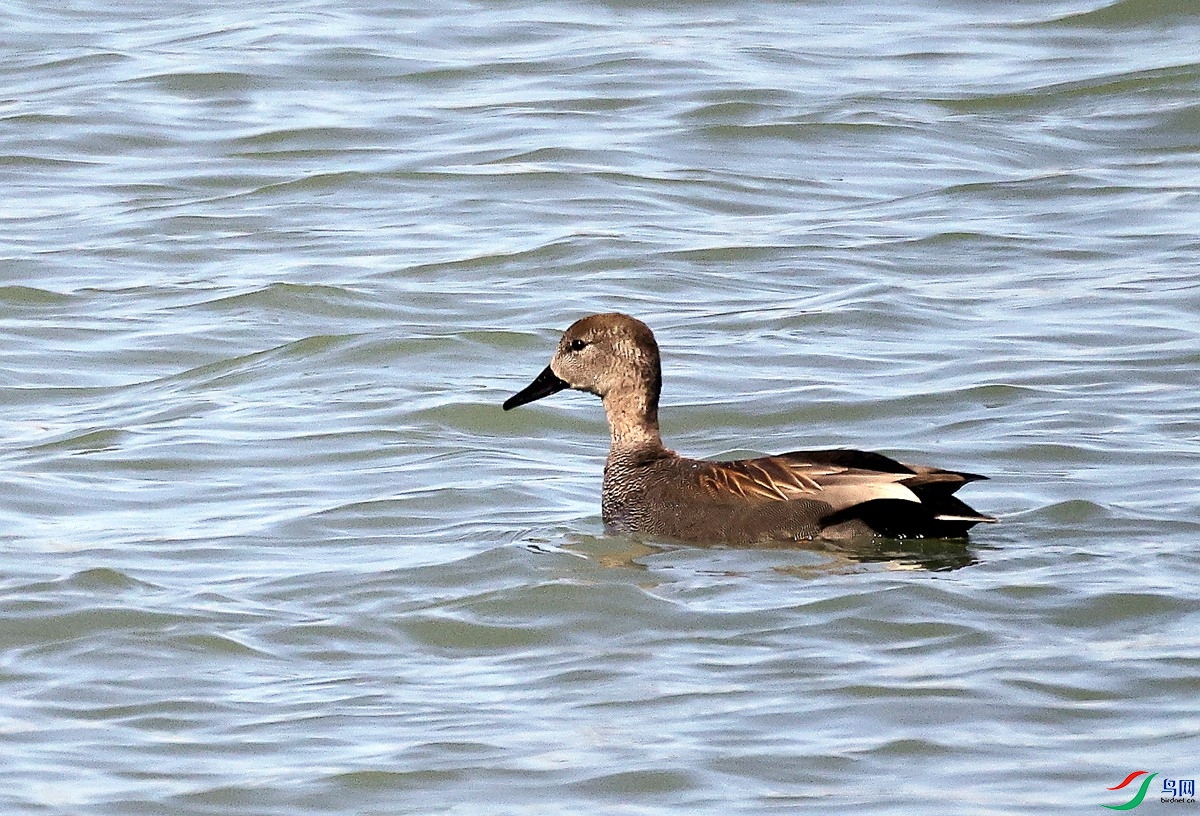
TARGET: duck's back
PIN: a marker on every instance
(794, 496)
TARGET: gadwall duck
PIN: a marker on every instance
(796, 496)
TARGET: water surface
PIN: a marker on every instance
(266, 274)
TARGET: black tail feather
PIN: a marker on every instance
(936, 516)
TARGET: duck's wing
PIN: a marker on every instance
(852, 483)
(877, 462)
(839, 478)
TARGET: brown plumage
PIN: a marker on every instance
(793, 496)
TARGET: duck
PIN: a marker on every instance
(650, 490)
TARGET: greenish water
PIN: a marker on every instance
(268, 545)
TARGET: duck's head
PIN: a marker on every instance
(606, 355)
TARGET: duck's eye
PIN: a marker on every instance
(577, 345)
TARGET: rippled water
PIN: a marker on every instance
(270, 545)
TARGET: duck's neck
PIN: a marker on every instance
(633, 421)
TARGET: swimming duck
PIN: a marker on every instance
(803, 495)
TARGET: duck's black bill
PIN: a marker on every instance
(544, 385)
